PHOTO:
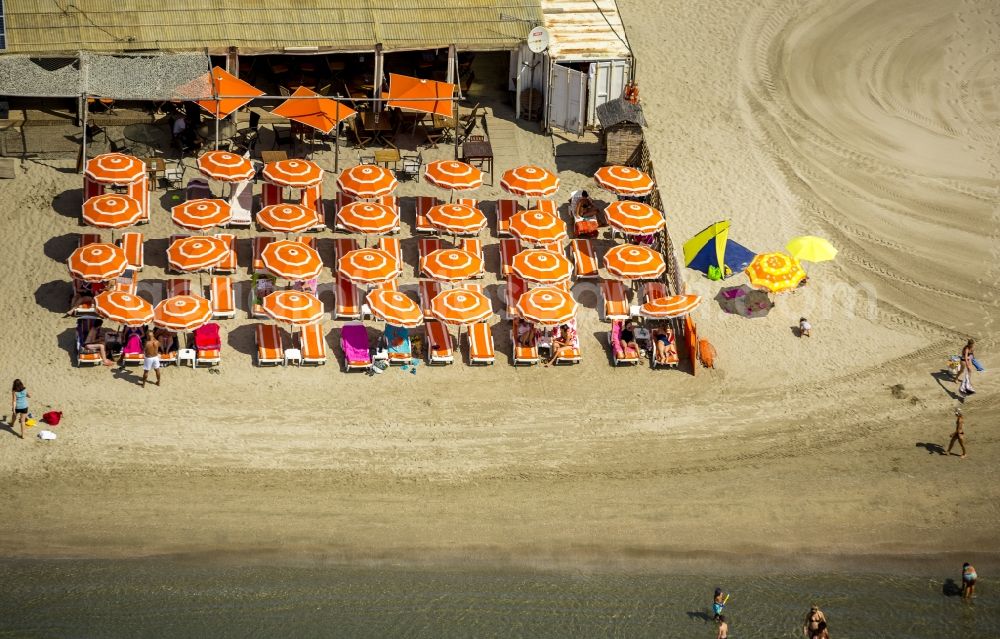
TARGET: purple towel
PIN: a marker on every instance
(354, 341)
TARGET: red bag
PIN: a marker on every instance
(52, 417)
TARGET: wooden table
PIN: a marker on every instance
(480, 153)
(387, 156)
(377, 124)
(155, 167)
(273, 156)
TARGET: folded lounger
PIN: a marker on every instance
(269, 349)
(509, 247)
(228, 263)
(178, 286)
(585, 261)
(131, 242)
(312, 344)
(522, 354)
(354, 342)
(311, 199)
(546, 206)
(259, 243)
(620, 354)
(207, 345)
(222, 296)
(424, 204)
(616, 304)
(348, 300)
(426, 246)
(89, 238)
(392, 202)
(428, 290)
(396, 341)
(439, 346)
(481, 349)
(343, 245)
(506, 209)
(393, 247)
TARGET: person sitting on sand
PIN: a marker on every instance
(805, 328)
(627, 337)
(814, 618)
(666, 349)
(94, 341)
(563, 339)
(585, 206)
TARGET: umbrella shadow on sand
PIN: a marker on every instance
(744, 301)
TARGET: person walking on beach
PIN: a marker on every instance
(814, 618)
(805, 328)
(969, 577)
(19, 396)
(151, 358)
(959, 434)
(965, 365)
(718, 603)
(723, 628)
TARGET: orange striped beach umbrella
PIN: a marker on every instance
(453, 175)
(451, 265)
(775, 272)
(225, 166)
(368, 266)
(367, 181)
(537, 227)
(632, 262)
(287, 218)
(198, 215)
(112, 211)
(547, 305)
(541, 265)
(634, 218)
(231, 93)
(458, 306)
(368, 218)
(294, 307)
(97, 262)
(670, 307)
(459, 219)
(624, 180)
(530, 181)
(295, 173)
(196, 253)
(291, 260)
(124, 308)
(395, 308)
(182, 312)
(115, 168)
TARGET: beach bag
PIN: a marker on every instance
(52, 417)
(714, 273)
(706, 352)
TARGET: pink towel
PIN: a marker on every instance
(133, 346)
(354, 341)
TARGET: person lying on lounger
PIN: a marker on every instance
(585, 206)
(94, 341)
(562, 339)
(627, 337)
(666, 349)
(167, 339)
(84, 292)
(526, 334)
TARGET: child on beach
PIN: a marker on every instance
(19, 405)
(718, 603)
(805, 328)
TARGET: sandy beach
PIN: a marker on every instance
(872, 123)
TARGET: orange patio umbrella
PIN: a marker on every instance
(459, 219)
(453, 175)
(229, 93)
(115, 168)
(632, 262)
(97, 262)
(537, 227)
(624, 180)
(295, 173)
(529, 181)
(458, 306)
(198, 215)
(196, 253)
(367, 181)
(422, 96)
(775, 272)
(313, 110)
(225, 166)
(634, 218)
(182, 312)
(547, 306)
(112, 211)
(287, 218)
(368, 218)
(291, 260)
(368, 266)
(670, 307)
(451, 265)
(294, 307)
(542, 265)
(394, 307)
(124, 308)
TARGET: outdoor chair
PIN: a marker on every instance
(283, 135)
(409, 167)
(471, 116)
(361, 138)
(173, 176)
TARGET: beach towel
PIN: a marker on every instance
(397, 340)
(133, 346)
(979, 367)
(354, 341)
(207, 337)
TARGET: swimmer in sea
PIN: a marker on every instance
(718, 603)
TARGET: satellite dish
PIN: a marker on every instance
(538, 39)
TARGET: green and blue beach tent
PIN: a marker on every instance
(712, 247)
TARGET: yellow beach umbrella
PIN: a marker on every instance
(811, 248)
(775, 272)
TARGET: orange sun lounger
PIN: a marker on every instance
(312, 344)
(89, 238)
(228, 263)
(426, 246)
(475, 246)
(546, 206)
(506, 209)
(522, 354)
(654, 291)
(424, 204)
(222, 296)
(348, 300)
(439, 345)
(259, 244)
(392, 246)
(616, 304)
(428, 290)
(584, 259)
(468, 201)
(512, 292)
(132, 243)
(178, 286)
(269, 350)
(342, 246)
(481, 349)
(509, 247)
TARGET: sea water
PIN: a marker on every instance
(160, 597)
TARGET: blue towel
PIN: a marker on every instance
(979, 367)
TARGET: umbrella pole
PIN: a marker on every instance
(216, 134)
(336, 148)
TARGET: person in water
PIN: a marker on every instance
(969, 577)
(814, 618)
(723, 628)
(718, 603)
